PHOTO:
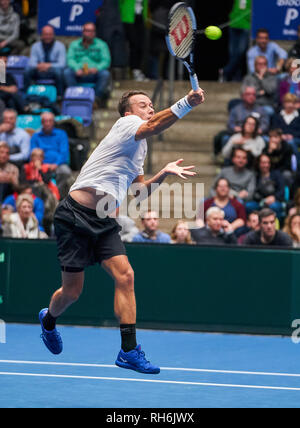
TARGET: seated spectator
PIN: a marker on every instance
(248, 138)
(241, 180)
(267, 235)
(9, 92)
(251, 225)
(9, 30)
(47, 60)
(292, 228)
(248, 107)
(234, 211)
(287, 85)
(295, 49)
(265, 83)
(17, 139)
(289, 121)
(294, 206)
(23, 223)
(269, 191)
(216, 231)
(54, 142)
(36, 171)
(9, 173)
(38, 204)
(281, 155)
(4, 211)
(271, 50)
(150, 232)
(129, 229)
(180, 233)
(88, 61)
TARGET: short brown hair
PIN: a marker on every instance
(276, 131)
(124, 104)
(265, 212)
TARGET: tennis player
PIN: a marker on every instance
(87, 235)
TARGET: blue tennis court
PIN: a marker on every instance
(197, 370)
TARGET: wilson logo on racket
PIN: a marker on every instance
(181, 30)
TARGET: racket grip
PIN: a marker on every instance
(194, 81)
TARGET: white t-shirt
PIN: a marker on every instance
(116, 162)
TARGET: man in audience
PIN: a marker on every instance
(216, 231)
(265, 83)
(248, 107)
(17, 139)
(251, 225)
(9, 30)
(9, 92)
(54, 142)
(9, 173)
(150, 232)
(242, 180)
(271, 50)
(268, 235)
(88, 62)
(47, 60)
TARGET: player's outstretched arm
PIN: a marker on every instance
(146, 187)
(161, 121)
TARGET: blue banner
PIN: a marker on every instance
(280, 17)
(67, 16)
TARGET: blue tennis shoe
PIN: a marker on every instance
(135, 360)
(52, 338)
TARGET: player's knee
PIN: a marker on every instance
(126, 279)
(72, 293)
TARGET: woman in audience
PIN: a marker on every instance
(180, 233)
(288, 85)
(234, 210)
(23, 223)
(292, 228)
(248, 139)
(269, 192)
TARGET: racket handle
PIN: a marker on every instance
(194, 81)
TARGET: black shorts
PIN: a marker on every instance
(83, 238)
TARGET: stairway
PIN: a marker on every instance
(191, 138)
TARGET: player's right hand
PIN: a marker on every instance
(196, 97)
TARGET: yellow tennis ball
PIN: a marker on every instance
(212, 32)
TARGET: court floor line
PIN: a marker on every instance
(120, 379)
(52, 363)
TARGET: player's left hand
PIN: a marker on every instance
(173, 168)
(195, 98)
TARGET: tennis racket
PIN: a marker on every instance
(180, 37)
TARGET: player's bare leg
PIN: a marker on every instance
(131, 355)
(124, 302)
(68, 293)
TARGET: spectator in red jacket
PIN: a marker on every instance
(235, 212)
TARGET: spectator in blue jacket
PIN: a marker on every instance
(150, 233)
(17, 139)
(55, 144)
(47, 60)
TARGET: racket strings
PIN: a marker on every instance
(181, 46)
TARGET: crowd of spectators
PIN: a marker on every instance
(259, 151)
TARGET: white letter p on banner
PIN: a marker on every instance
(2, 332)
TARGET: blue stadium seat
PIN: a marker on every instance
(65, 117)
(29, 121)
(16, 65)
(78, 101)
(48, 91)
